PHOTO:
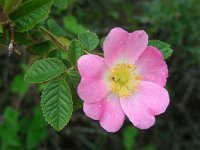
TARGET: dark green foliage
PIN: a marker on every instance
(30, 13)
(22, 125)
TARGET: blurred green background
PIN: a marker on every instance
(177, 22)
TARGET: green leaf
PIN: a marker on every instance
(18, 85)
(75, 50)
(89, 40)
(11, 5)
(44, 70)
(73, 79)
(55, 28)
(129, 135)
(71, 25)
(41, 48)
(30, 13)
(1, 28)
(9, 130)
(57, 104)
(2, 2)
(149, 147)
(61, 4)
(163, 47)
(59, 42)
(37, 131)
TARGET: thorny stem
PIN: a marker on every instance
(12, 40)
(12, 46)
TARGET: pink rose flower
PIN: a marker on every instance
(129, 81)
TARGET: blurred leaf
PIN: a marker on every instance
(73, 79)
(22, 38)
(2, 2)
(55, 28)
(163, 47)
(71, 25)
(149, 147)
(30, 13)
(41, 48)
(59, 42)
(89, 40)
(75, 51)
(9, 130)
(57, 104)
(129, 135)
(101, 42)
(37, 131)
(11, 5)
(19, 86)
(44, 70)
(55, 53)
(61, 4)
(1, 28)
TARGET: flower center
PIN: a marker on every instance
(124, 79)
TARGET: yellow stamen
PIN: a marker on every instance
(124, 79)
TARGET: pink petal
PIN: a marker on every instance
(91, 66)
(152, 66)
(94, 110)
(119, 44)
(113, 116)
(92, 90)
(150, 100)
(154, 97)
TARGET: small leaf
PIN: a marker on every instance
(44, 70)
(1, 28)
(57, 104)
(19, 80)
(129, 135)
(61, 4)
(2, 2)
(75, 50)
(30, 13)
(55, 28)
(89, 40)
(163, 47)
(73, 79)
(71, 25)
(9, 129)
(41, 48)
(11, 5)
(149, 147)
(37, 130)
(59, 42)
